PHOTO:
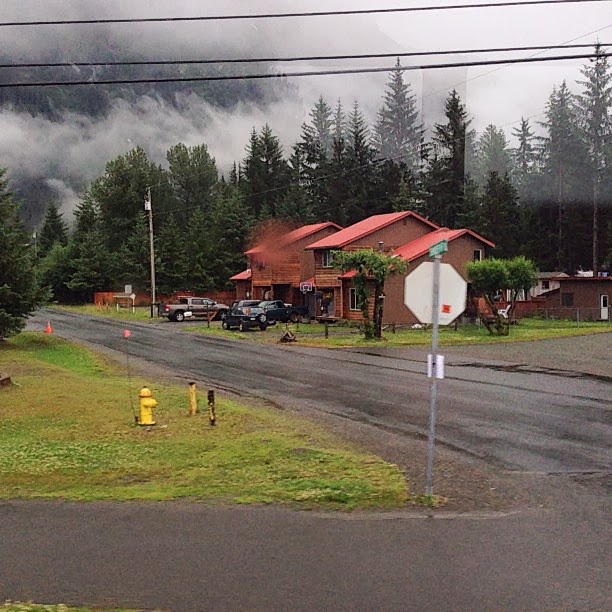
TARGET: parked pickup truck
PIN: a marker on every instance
(277, 310)
(191, 307)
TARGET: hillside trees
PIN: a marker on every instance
(19, 290)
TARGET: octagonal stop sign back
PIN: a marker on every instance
(418, 293)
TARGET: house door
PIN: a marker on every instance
(604, 307)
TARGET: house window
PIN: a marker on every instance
(327, 259)
(353, 304)
(477, 255)
(545, 285)
(567, 299)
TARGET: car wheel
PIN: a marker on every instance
(242, 327)
(263, 327)
(261, 318)
(224, 324)
(294, 318)
(223, 315)
(179, 316)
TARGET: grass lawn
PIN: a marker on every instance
(67, 430)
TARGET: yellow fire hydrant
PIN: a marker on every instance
(147, 403)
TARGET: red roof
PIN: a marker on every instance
(363, 228)
(421, 245)
(294, 236)
(246, 275)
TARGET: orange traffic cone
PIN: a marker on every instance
(48, 329)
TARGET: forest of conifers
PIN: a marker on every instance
(546, 196)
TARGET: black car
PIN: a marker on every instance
(246, 315)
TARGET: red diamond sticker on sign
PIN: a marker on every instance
(446, 308)
(127, 333)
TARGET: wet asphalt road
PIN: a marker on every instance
(181, 556)
(526, 418)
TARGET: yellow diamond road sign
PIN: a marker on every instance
(418, 293)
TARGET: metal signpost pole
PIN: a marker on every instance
(433, 384)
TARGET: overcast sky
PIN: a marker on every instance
(72, 151)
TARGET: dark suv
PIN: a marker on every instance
(244, 315)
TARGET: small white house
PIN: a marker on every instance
(546, 282)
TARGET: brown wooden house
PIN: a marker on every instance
(386, 232)
(280, 266)
(464, 246)
(585, 298)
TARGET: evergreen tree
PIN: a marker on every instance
(361, 174)
(192, 175)
(265, 173)
(445, 179)
(298, 203)
(595, 122)
(339, 123)
(53, 231)
(524, 156)
(499, 214)
(201, 246)
(564, 161)
(232, 222)
(119, 195)
(172, 270)
(398, 131)
(492, 154)
(19, 291)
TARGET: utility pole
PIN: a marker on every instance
(149, 209)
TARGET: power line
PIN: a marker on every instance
(287, 15)
(302, 58)
(282, 75)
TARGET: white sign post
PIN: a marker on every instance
(449, 291)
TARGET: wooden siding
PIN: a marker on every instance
(393, 236)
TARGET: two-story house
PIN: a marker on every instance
(280, 264)
(386, 232)
(464, 246)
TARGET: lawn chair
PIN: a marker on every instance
(505, 312)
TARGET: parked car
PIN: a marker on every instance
(246, 314)
(190, 307)
(277, 310)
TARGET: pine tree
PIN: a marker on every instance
(19, 291)
(312, 156)
(398, 131)
(446, 178)
(193, 175)
(595, 121)
(360, 157)
(564, 161)
(492, 154)
(53, 231)
(172, 269)
(265, 173)
(524, 155)
(119, 195)
(499, 215)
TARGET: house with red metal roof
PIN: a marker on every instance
(279, 266)
(385, 232)
(464, 246)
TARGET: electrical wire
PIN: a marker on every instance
(412, 9)
(282, 75)
(304, 58)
